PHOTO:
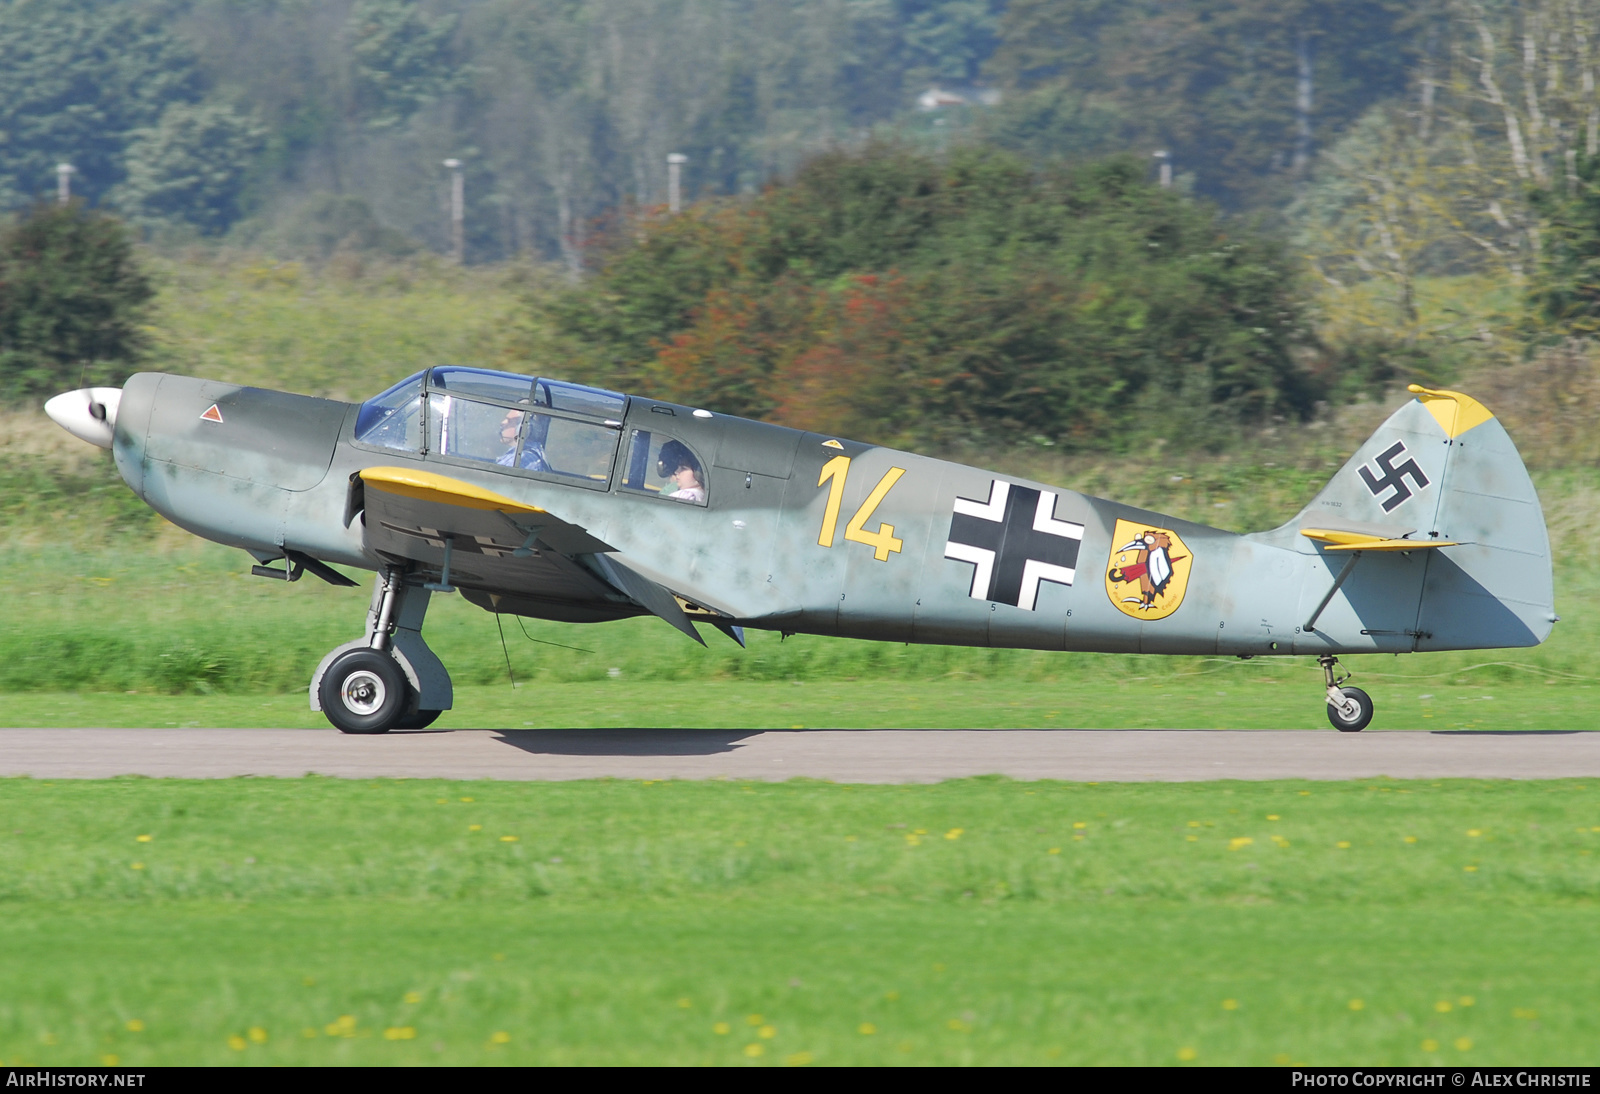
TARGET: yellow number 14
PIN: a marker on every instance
(883, 541)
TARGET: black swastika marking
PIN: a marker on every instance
(1394, 476)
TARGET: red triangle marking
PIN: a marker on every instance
(212, 415)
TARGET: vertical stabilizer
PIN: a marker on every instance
(1441, 472)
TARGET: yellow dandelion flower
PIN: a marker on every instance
(1524, 1013)
(767, 1033)
(850, 839)
(754, 1049)
(413, 997)
(1273, 816)
(135, 1026)
(866, 1029)
(1466, 1001)
(722, 1029)
(399, 1033)
(442, 801)
(1192, 839)
(1474, 832)
(110, 1059)
(1411, 839)
(798, 1059)
(500, 1037)
(466, 799)
(1080, 824)
(956, 1025)
(1358, 1004)
(236, 1042)
(1470, 869)
(1230, 1004)
(1239, 841)
(1343, 845)
(258, 1035)
(954, 833)
(143, 839)
(913, 840)
(1430, 1045)
(1194, 824)
(1187, 1053)
(1443, 1006)
(1463, 1044)
(508, 839)
(685, 1003)
(474, 828)
(754, 1020)
(136, 866)
(1055, 850)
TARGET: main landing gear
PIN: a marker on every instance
(388, 679)
(1349, 709)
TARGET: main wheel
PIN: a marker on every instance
(1355, 714)
(364, 691)
(418, 719)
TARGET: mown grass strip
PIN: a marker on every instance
(325, 921)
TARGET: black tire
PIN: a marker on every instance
(418, 719)
(1363, 712)
(364, 691)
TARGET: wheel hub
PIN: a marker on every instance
(363, 692)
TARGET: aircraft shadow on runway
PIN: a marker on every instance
(625, 742)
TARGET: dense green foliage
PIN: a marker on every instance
(915, 300)
(1567, 293)
(72, 300)
(77, 79)
(1240, 93)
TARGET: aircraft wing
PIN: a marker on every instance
(504, 550)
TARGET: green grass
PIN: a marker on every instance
(1063, 922)
(1225, 696)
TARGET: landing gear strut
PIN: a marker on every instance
(389, 678)
(1349, 709)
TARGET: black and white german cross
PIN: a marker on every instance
(1013, 541)
(1393, 476)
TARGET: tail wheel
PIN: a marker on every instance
(1353, 715)
(364, 691)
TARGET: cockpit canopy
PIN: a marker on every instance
(534, 424)
(550, 428)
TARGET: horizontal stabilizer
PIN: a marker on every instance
(1338, 540)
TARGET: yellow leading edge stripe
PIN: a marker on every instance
(1456, 413)
(427, 486)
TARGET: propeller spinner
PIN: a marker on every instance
(89, 414)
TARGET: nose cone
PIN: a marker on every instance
(89, 414)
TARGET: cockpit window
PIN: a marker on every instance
(522, 438)
(482, 383)
(393, 419)
(558, 395)
(663, 465)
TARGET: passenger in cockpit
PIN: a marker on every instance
(677, 464)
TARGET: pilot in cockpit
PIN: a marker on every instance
(532, 450)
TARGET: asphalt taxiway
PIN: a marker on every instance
(863, 756)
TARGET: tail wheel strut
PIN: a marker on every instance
(1349, 709)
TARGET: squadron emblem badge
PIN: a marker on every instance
(1149, 570)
